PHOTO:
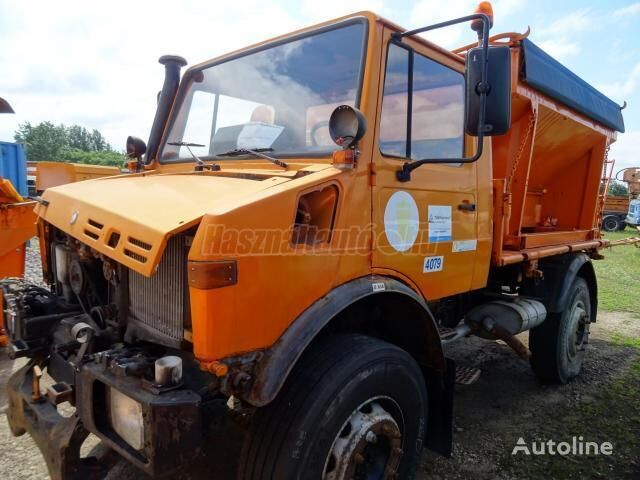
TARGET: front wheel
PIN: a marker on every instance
(354, 407)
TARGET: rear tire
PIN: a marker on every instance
(611, 223)
(558, 345)
(349, 405)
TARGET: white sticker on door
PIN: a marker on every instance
(439, 223)
(433, 264)
(464, 246)
(401, 221)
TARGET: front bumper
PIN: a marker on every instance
(172, 423)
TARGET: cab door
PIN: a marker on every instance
(426, 228)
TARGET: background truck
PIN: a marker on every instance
(17, 219)
(618, 207)
(314, 220)
(42, 175)
(631, 176)
(19, 182)
(614, 214)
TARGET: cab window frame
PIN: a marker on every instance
(411, 52)
(184, 92)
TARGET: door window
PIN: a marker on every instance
(422, 107)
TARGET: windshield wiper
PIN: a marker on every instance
(189, 145)
(255, 152)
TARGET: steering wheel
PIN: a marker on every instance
(314, 130)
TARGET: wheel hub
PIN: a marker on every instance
(368, 447)
(578, 342)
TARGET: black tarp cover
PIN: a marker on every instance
(546, 74)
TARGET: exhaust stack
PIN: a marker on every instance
(172, 65)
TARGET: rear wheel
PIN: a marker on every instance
(354, 407)
(611, 223)
(558, 345)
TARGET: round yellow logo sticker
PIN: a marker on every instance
(401, 221)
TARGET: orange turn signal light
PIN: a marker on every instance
(209, 275)
(487, 9)
(344, 159)
(216, 368)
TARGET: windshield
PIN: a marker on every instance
(279, 97)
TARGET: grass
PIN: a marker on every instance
(612, 414)
(619, 276)
(626, 341)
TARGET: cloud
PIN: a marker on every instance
(574, 22)
(95, 64)
(620, 90)
(560, 48)
(43, 81)
(625, 150)
(426, 12)
(632, 9)
(559, 36)
(335, 8)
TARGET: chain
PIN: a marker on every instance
(604, 187)
(532, 122)
(606, 175)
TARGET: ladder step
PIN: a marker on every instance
(467, 375)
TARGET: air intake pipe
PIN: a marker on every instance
(172, 65)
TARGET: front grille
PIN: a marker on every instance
(159, 304)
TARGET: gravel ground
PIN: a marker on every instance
(506, 403)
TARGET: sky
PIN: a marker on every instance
(95, 63)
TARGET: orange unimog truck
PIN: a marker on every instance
(314, 220)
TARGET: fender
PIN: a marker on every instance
(274, 366)
(559, 274)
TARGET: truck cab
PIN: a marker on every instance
(633, 217)
(311, 221)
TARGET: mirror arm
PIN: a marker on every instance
(404, 174)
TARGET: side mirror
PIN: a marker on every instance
(497, 119)
(347, 125)
(5, 107)
(136, 147)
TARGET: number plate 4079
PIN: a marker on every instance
(433, 264)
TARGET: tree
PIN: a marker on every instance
(79, 138)
(98, 142)
(45, 141)
(58, 143)
(106, 157)
(617, 188)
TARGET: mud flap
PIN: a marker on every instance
(440, 388)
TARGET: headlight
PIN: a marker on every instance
(126, 418)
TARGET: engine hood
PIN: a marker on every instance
(142, 211)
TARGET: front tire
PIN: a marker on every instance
(353, 407)
(558, 345)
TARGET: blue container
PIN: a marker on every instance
(13, 166)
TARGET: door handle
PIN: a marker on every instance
(467, 207)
